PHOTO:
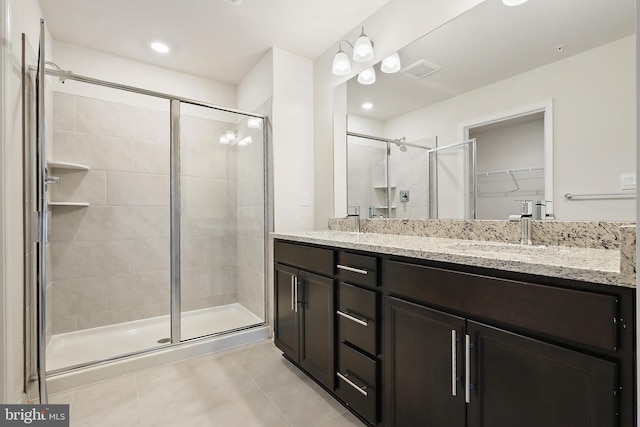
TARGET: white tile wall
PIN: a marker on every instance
(110, 261)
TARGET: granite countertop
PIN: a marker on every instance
(585, 264)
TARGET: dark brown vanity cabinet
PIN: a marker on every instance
(467, 373)
(357, 317)
(304, 308)
(444, 368)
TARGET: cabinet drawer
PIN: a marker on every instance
(356, 317)
(579, 316)
(358, 269)
(317, 260)
(357, 382)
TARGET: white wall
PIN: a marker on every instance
(18, 16)
(293, 162)
(592, 146)
(392, 27)
(104, 66)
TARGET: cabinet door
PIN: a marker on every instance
(528, 383)
(316, 299)
(285, 311)
(423, 366)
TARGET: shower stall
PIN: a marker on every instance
(146, 217)
(394, 178)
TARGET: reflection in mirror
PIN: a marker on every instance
(547, 89)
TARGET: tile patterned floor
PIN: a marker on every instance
(250, 386)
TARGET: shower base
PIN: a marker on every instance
(106, 342)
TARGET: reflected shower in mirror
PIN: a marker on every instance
(546, 89)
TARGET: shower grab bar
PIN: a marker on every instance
(571, 196)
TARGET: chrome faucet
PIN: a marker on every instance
(355, 215)
(524, 218)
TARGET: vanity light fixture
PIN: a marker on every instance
(367, 105)
(513, 2)
(391, 64)
(253, 123)
(160, 47)
(362, 52)
(367, 76)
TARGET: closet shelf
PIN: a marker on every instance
(384, 207)
(67, 165)
(78, 204)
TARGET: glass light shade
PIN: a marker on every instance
(391, 64)
(363, 49)
(253, 123)
(224, 140)
(245, 141)
(341, 64)
(513, 2)
(230, 135)
(367, 76)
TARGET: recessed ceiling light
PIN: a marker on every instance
(514, 2)
(367, 105)
(160, 47)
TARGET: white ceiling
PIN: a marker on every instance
(209, 38)
(489, 43)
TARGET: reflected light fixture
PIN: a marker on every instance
(230, 135)
(160, 47)
(253, 123)
(367, 76)
(367, 105)
(245, 141)
(391, 64)
(362, 52)
(223, 140)
(513, 2)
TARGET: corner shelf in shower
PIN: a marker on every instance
(67, 165)
(384, 187)
(78, 204)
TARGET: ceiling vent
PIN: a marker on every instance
(421, 69)
(234, 2)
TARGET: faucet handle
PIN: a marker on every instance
(526, 207)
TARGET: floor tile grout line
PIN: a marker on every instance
(135, 380)
(266, 395)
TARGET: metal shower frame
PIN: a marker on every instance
(174, 144)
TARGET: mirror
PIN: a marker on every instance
(547, 90)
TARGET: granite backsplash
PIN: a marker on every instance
(580, 234)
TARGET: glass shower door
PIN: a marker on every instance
(222, 221)
(452, 181)
(110, 224)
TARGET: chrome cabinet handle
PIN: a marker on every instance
(467, 369)
(352, 318)
(361, 390)
(454, 362)
(292, 292)
(353, 270)
(295, 279)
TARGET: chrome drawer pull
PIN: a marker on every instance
(293, 292)
(344, 378)
(355, 319)
(351, 269)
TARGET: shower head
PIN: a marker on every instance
(401, 143)
(57, 68)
